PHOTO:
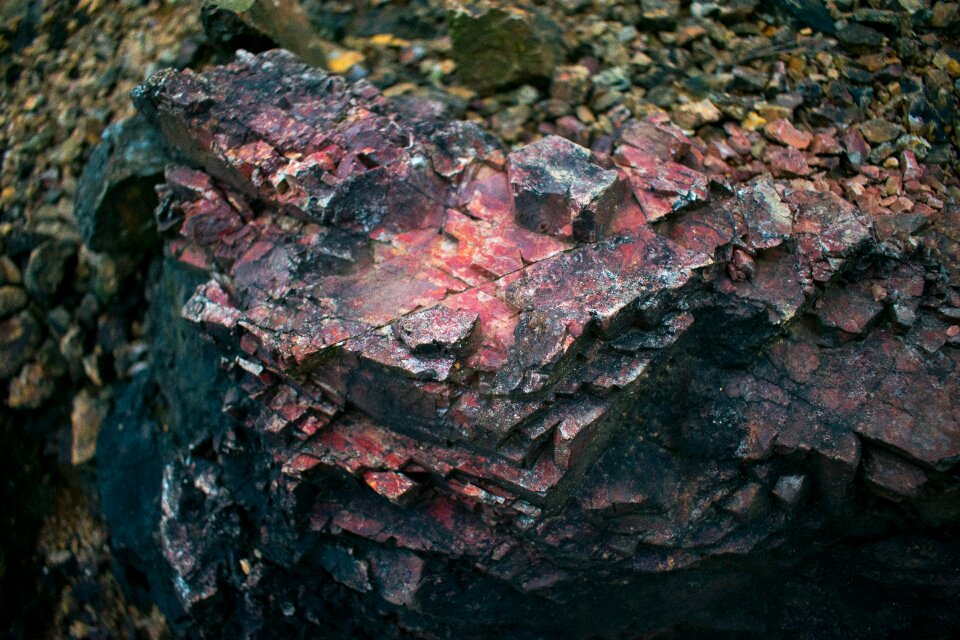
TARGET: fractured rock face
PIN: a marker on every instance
(524, 393)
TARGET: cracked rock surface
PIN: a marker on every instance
(408, 383)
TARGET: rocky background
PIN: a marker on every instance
(883, 74)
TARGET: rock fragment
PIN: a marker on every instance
(12, 299)
(892, 477)
(856, 147)
(693, 115)
(810, 13)
(437, 329)
(858, 38)
(787, 163)
(47, 267)
(19, 336)
(659, 13)
(497, 44)
(785, 133)
(559, 189)
(790, 488)
(31, 388)
(877, 131)
(86, 417)
(115, 197)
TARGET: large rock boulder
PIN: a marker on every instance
(427, 409)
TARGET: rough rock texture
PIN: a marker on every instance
(459, 392)
(501, 43)
(116, 184)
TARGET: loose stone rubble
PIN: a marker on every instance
(453, 386)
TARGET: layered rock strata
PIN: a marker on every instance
(457, 390)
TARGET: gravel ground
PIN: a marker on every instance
(67, 68)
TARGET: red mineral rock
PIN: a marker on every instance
(473, 381)
(785, 133)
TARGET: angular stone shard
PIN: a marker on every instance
(559, 189)
(790, 488)
(462, 392)
(437, 329)
(891, 476)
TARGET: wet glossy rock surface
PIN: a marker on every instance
(456, 391)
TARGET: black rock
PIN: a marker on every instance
(496, 46)
(747, 79)
(736, 10)
(809, 13)
(659, 14)
(19, 337)
(226, 32)
(858, 38)
(812, 93)
(46, 268)
(884, 19)
(115, 196)
(857, 75)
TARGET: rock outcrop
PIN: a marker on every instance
(454, 391)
